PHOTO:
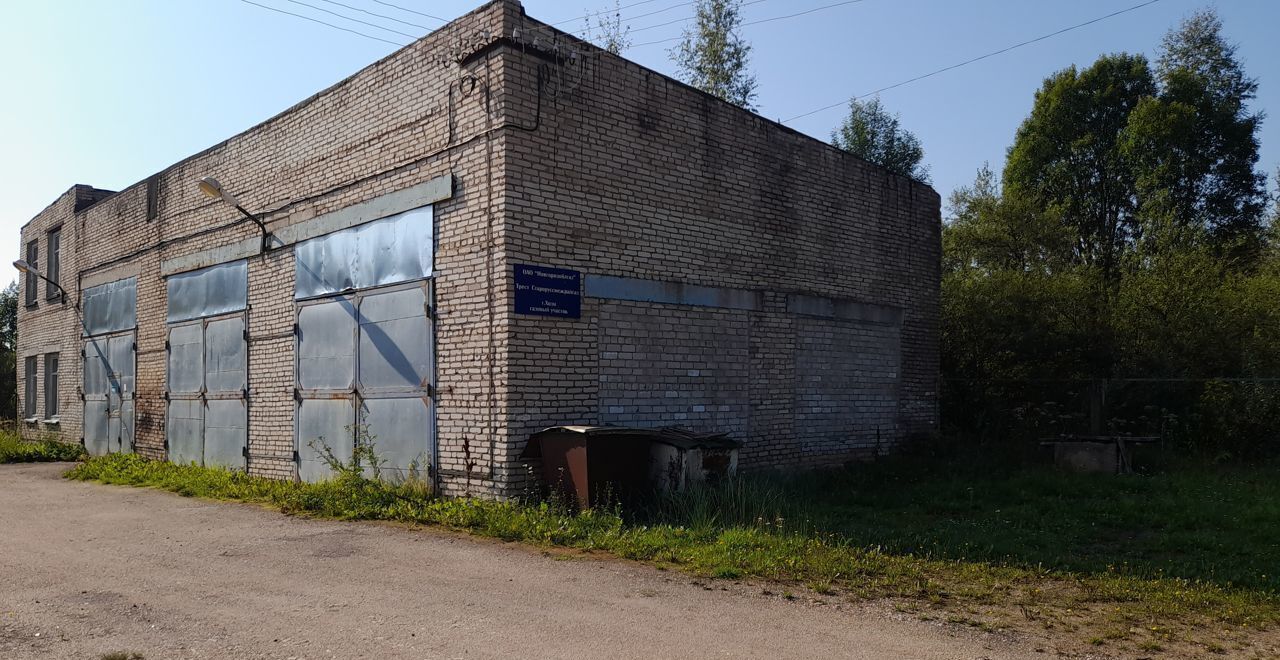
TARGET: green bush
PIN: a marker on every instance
(16, 450)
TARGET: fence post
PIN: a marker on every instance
(1098, 407)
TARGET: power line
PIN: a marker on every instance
(975, 59)
(678, 20)
(316, 20)
(802, 13)
(747, 24)
(411, 11)
(354, 20)
(601, 13)
(389, 18)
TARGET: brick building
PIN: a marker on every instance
(494, 229)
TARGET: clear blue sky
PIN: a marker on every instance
(108, 93)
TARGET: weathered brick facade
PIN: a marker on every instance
(739, 275)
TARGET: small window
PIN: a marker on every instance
(52, 292)
(51, 386)
(29, 400)
(33, 282)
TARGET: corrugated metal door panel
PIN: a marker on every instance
(326, 345)
(185, 431)
(186, 359)
(323, 423)
(109, 367)
(224, 433)
(399, 430)
(224, 355)
(121, 349)
(95, 427)
(395, 341)
(373, 351)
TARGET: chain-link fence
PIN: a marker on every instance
(1226, 417)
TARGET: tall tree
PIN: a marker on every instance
(8, 351)
(873, 134)
(989, 231)
(1203, 138)
(608, 31)
(1067, 156)
(713, 57)
(9, 317)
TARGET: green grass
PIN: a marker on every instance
(1049, 545)
(16, 450)
(1218, 525)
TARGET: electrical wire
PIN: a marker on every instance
(316, 20)
(607, 11)
(389, 18)
(411, 11)
(686, 19)
(354, 20)
(975, 59)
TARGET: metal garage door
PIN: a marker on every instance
(207, 384)
(365, 347)
(110, 359)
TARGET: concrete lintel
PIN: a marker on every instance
(242, 249)
(674, 293)
(112, 274)
(848, 310)
(428, 192)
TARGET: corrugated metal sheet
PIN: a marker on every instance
(388, 251)
(208, 292)
(111, 307)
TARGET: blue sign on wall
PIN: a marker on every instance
(544, 291)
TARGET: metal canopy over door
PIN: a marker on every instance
(207, 384)
(110, 361)
(366, 347)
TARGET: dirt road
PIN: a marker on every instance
(87, 569)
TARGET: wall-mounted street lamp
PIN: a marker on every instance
(25, 268)
(211, 188)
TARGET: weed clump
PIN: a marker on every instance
(14, 449)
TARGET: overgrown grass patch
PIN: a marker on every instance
(14, 449)
(780, 535)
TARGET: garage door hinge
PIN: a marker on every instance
(296, 330)
(166, 444)
(82, 442)
(166, 396)
(245, 452)
(296, 457)
(83, 355)
(167, 345)
(297, 396)
(432, 391)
